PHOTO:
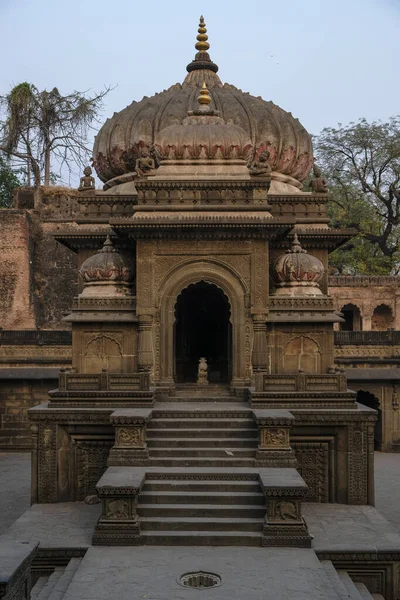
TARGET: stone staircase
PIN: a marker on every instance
(54, 586)
(192, 509)
(210, 438)
(345, 587)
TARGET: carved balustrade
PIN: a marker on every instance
(104, 381)
(104, 206)
(302, 382)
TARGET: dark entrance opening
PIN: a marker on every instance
(352, 318)
(203, 328)
(372, 401)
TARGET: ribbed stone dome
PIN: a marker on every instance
(297, 273)
(108, 272)
(139, 125)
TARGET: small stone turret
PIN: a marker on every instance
(109, 272)
(297, 273)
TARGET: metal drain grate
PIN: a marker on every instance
(200, 580)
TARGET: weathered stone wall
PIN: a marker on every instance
(16, 273)
(368, 294)
(55, 279)
(16, 397)
(38, 276)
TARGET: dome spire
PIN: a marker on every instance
(202, 59)
(202, 44)
(204, 98)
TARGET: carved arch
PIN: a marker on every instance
(190, 262)
(302, 353)
(179, 278)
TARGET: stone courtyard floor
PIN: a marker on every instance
(15, 487)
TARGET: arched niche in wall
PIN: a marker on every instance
(302, 353)
(382, 318)
(352, 318)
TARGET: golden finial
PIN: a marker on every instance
(204, 96)
(202, 44)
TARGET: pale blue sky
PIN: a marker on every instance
(326, 62)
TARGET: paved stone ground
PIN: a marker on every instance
(247, 573)
(15, 484)
(387, 486)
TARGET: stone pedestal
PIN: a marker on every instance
(284, 525)
(118, 490)
(274, 438)
(130, 436)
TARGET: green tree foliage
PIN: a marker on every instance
(361, 162)
(9, 180)
(38, 127)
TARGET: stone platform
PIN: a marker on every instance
(355, 539)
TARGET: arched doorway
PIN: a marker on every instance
(372, 401)
(203, 328)
(352, 318)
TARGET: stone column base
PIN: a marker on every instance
(284, 534)
(116, 533)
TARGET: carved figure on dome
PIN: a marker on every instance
(145, 164)
(318, 183)
(202, 374)
(260, 167)
(87, 181)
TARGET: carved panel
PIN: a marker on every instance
(302, 352)
(91, 463)
(358, 463)
(47, 463)
(283, 510)
(129, 436)
(313, 466)
(117, 509)
(103, 351)
(274, 437)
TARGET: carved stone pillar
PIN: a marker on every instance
(260, 349)
(145, 345)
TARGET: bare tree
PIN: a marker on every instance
(40, 127)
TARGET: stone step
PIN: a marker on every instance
(214, 497)
(39, 585)
(363, 591)
(351, 589)
(50, 584)
(201, 538)
(190, 452)
(62, 584)
(200, 442)
(200, 423)
(188, 485)
(213, 432)
(197, 400)
(247, 511)
(227, 463)
(190, 390)
(199, 524)
(334, 579)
